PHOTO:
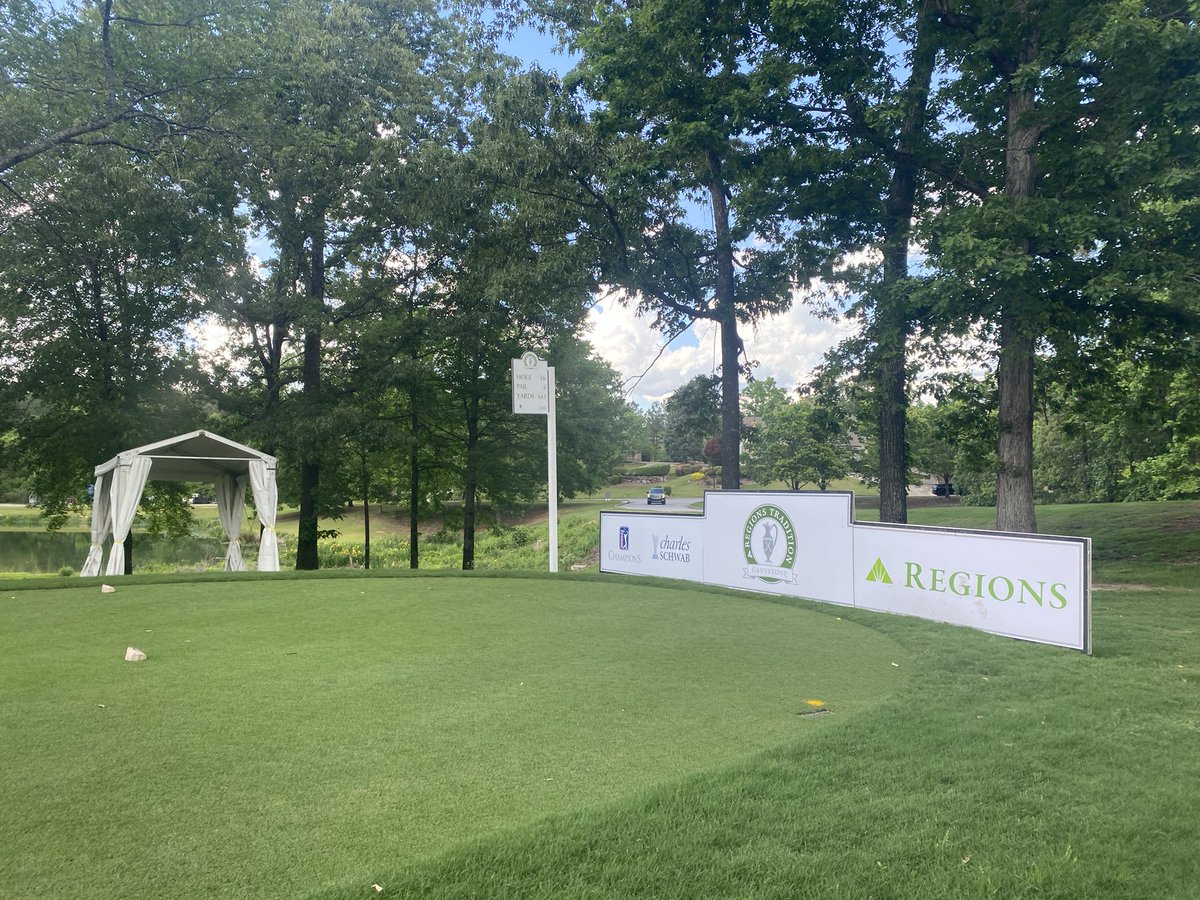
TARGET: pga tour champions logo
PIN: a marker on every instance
(769, 545)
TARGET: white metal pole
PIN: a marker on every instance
(552, 471)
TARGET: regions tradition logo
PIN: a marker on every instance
(769, 545)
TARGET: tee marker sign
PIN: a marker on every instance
(530, 385)
(533, 395)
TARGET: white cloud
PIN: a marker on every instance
(786, 346)
(789, 346)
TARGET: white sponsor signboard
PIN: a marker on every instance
(780, 543)
(1023, 586)
(1032, 587)
(665, 546)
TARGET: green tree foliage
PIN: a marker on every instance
(676, 99)
(149, 78)
(100, 278)
(430, 211)
(799, 441)
(1132, 437)
(593, 418)
(693, 416)
(508, 278)
(1092, 104)
(357, 90)
(864, 73)
(655, 418)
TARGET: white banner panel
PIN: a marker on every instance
(663, 545)
(796, 544)
(1023, 586)
(1033, 587)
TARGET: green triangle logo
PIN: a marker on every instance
(879, 573)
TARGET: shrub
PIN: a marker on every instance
(66, 571)
(653, 470)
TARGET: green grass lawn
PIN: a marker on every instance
(580, 737)
(293, 734)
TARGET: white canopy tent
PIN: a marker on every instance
(196, 456)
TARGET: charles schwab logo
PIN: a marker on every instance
(769, 545)
(669, 549)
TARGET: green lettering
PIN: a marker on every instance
(1036, 595)
(979, 585)
(912, 574)
(960, 583)
(992, 588)
(937, 580)
(1057, 592)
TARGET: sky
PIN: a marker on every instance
(785, 347)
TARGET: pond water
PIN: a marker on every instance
(42, 551)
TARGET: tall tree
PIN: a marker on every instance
(1089, 102)
(356, 89)
(864, 71)
(510, 277)
(675, 93)
(103, 269)
(693, 416)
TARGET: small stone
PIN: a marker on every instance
(133, 654)
(107, 589)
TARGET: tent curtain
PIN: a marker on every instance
(128, 481)
(266, 497)
(100, 522)
(231, 504)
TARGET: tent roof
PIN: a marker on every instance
(195, 456)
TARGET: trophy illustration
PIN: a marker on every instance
(770, 536)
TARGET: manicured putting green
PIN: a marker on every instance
(287, 736)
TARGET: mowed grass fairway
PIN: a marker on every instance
(592, 737)
(290, 736)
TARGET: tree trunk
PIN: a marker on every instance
(731, 343)
(1014, 375)
(365, 484)
(129, 552)
(891, 325)
(310, 464)
(891, 332)
(470, 483)
(414, 485)
(1014, 478)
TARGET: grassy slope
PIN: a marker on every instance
(286, 734)
(1002, 769)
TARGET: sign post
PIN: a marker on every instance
(533, 394)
